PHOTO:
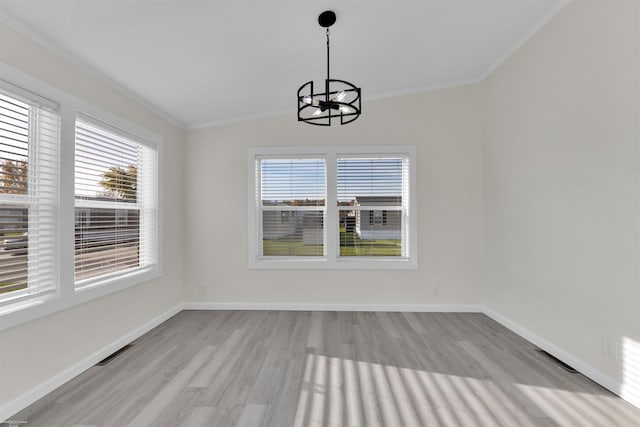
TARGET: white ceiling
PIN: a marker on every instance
(203, 62)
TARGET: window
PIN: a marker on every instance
(372, 190)
(377, 217)
(332, 207)
(291, 207)
(29, 141)
(115, 202)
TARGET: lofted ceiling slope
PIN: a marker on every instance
(206, 62)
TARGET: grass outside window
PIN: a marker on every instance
(350, 245)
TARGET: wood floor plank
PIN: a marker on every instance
(150, 412)
(251, 416)
(198, 417)
(338, 369)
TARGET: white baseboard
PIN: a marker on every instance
(584, 368)
(21, 402)
(417, 308)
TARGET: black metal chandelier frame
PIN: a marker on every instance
(340, 99)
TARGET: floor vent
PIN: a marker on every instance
(566, 367)
(114, 355)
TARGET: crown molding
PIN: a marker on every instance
(374, 97)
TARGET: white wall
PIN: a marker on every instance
(534, 174)
(445, 127)
(561, 172)
(34, 352)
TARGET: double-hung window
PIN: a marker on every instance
(29, 152)
(291, 206)
(373, 196)
(115, 203)
(79, 204)
(332, 207)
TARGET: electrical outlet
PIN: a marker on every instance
(436, 291)
(609, 348)
(201, 289)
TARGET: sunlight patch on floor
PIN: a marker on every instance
(340, 392)
(579, 408)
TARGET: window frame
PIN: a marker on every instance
(331, 258)
(66, 295)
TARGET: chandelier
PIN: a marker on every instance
(340, 98)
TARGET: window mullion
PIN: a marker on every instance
(32, 187)
(331, 210)
(257, 200)
(66, 219)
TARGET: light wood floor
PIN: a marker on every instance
(228, 368)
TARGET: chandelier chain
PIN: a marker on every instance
(327, 81)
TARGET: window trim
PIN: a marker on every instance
(331, 259)
(66, 295)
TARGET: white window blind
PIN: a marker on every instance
(29, 146)
(291, 201)
(373, 205)
(116, 203)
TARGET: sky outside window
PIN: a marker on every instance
(287, 180)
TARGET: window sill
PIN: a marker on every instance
(343, 263)
(43, 305)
